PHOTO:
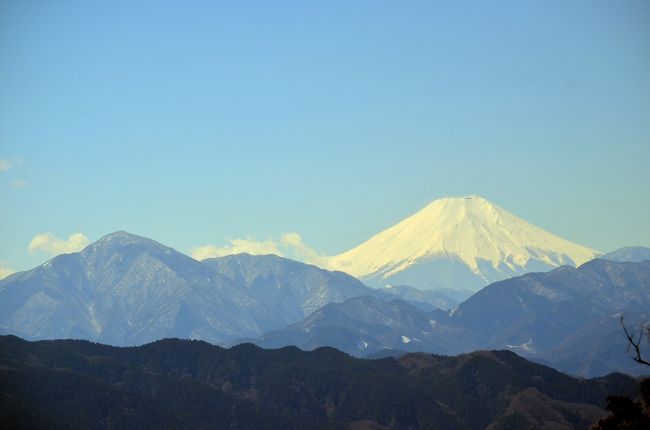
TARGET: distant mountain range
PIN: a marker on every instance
(565, 312)
(629, 253)
(568, 318)
(128, 290)
(460, 243)
(365, 325)
(176, 384)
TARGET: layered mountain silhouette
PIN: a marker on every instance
(128, 290)
(565, 312)
(174, 384)
(459, 243)
(568, 318)
(366, 325)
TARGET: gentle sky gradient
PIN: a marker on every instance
(196, 123)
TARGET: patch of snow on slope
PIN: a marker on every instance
(526, 347)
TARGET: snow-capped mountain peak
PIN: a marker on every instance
(488, 241)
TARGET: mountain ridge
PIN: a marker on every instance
(126, 289)
(567, 318)
(628, 253)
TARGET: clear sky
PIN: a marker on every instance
(198, 123)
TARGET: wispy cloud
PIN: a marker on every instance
(14, 165)
(48, 243)
(299, 250)
(290, 245)
(4, 165)
(5, 270)
(18, 183)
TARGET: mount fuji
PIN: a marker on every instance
(459, 243)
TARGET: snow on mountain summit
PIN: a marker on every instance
(459, 243)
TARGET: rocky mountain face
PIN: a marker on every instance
(126, 290)
(176, 384)
(458, 243)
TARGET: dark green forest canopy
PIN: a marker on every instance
(191, 384)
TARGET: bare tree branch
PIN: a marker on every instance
(635, 344)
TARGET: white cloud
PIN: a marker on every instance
(290, 245)
(52, 245)
(5, 270)
(236, 246)
(299, 250)
(10, 164)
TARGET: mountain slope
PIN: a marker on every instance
(459, 243)
(276, 281)
(629, 253)
(125, 289)
(541, 309)
(175, 384)
(567, 318)
(425, 299)
(365, 325)
(531, 409)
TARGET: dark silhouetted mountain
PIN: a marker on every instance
(633, 254)
(126, 290)
(531, 409)
(174, 384)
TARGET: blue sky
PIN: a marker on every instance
(198, 123)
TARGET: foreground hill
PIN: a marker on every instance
(174, 384)
(461, 243)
